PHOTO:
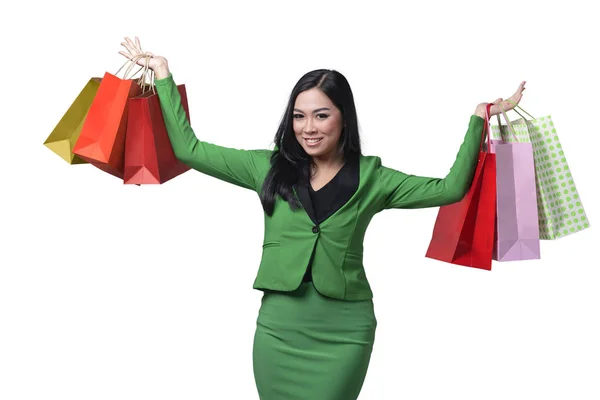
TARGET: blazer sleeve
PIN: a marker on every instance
(237, 166)
(402, 190)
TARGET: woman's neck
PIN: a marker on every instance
(330, 163)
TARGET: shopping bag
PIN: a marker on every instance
(149, 156)
(102, 138)
(517, 232)
(560, 209)
(463, 233)
(64, 135)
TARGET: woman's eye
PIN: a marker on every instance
(320, 116)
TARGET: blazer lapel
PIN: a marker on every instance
(304, 196)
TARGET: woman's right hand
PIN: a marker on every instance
(158, 64)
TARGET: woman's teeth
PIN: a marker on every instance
(313, 140)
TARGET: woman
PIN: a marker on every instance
(316, 325)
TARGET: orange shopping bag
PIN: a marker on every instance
(102, 138)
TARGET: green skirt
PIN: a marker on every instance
(311, 347)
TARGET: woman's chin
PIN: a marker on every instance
(313, 152)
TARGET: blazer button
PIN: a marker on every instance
(315, 229)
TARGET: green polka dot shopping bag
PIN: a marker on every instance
(560, 209)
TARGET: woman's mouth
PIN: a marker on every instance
(313, 142)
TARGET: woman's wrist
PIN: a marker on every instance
(161, 71)
(480, 110)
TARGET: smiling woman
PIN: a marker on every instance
(319, 129)
(316, 326)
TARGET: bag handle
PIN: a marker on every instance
(141, 81)
(517, 106)
(147, 71)
(510, 127)
(133, 61)
(486, 129)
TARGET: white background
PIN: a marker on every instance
(112, 291)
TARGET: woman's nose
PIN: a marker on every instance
(309, 126)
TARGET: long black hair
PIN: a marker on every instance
(289, 160)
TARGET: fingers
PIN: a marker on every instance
(130, 42)
(140, 59)
(135, 52)
(132, 47)
(509, 103)
(516, 98)
(129, 56)
(129, 48)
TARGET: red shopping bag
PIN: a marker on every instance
(149, 156)
(463, 233)
(102, 138)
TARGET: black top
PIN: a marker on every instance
(330, 198)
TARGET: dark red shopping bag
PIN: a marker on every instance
(464, 231)
(149, 156)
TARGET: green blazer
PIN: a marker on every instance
(290, 236)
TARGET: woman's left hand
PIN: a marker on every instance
(506, 104)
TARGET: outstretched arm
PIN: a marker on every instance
(241, 167)
(244, 168)
(409, 191)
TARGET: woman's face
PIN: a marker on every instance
(317, 123)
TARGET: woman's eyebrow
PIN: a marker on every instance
(317, 110)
